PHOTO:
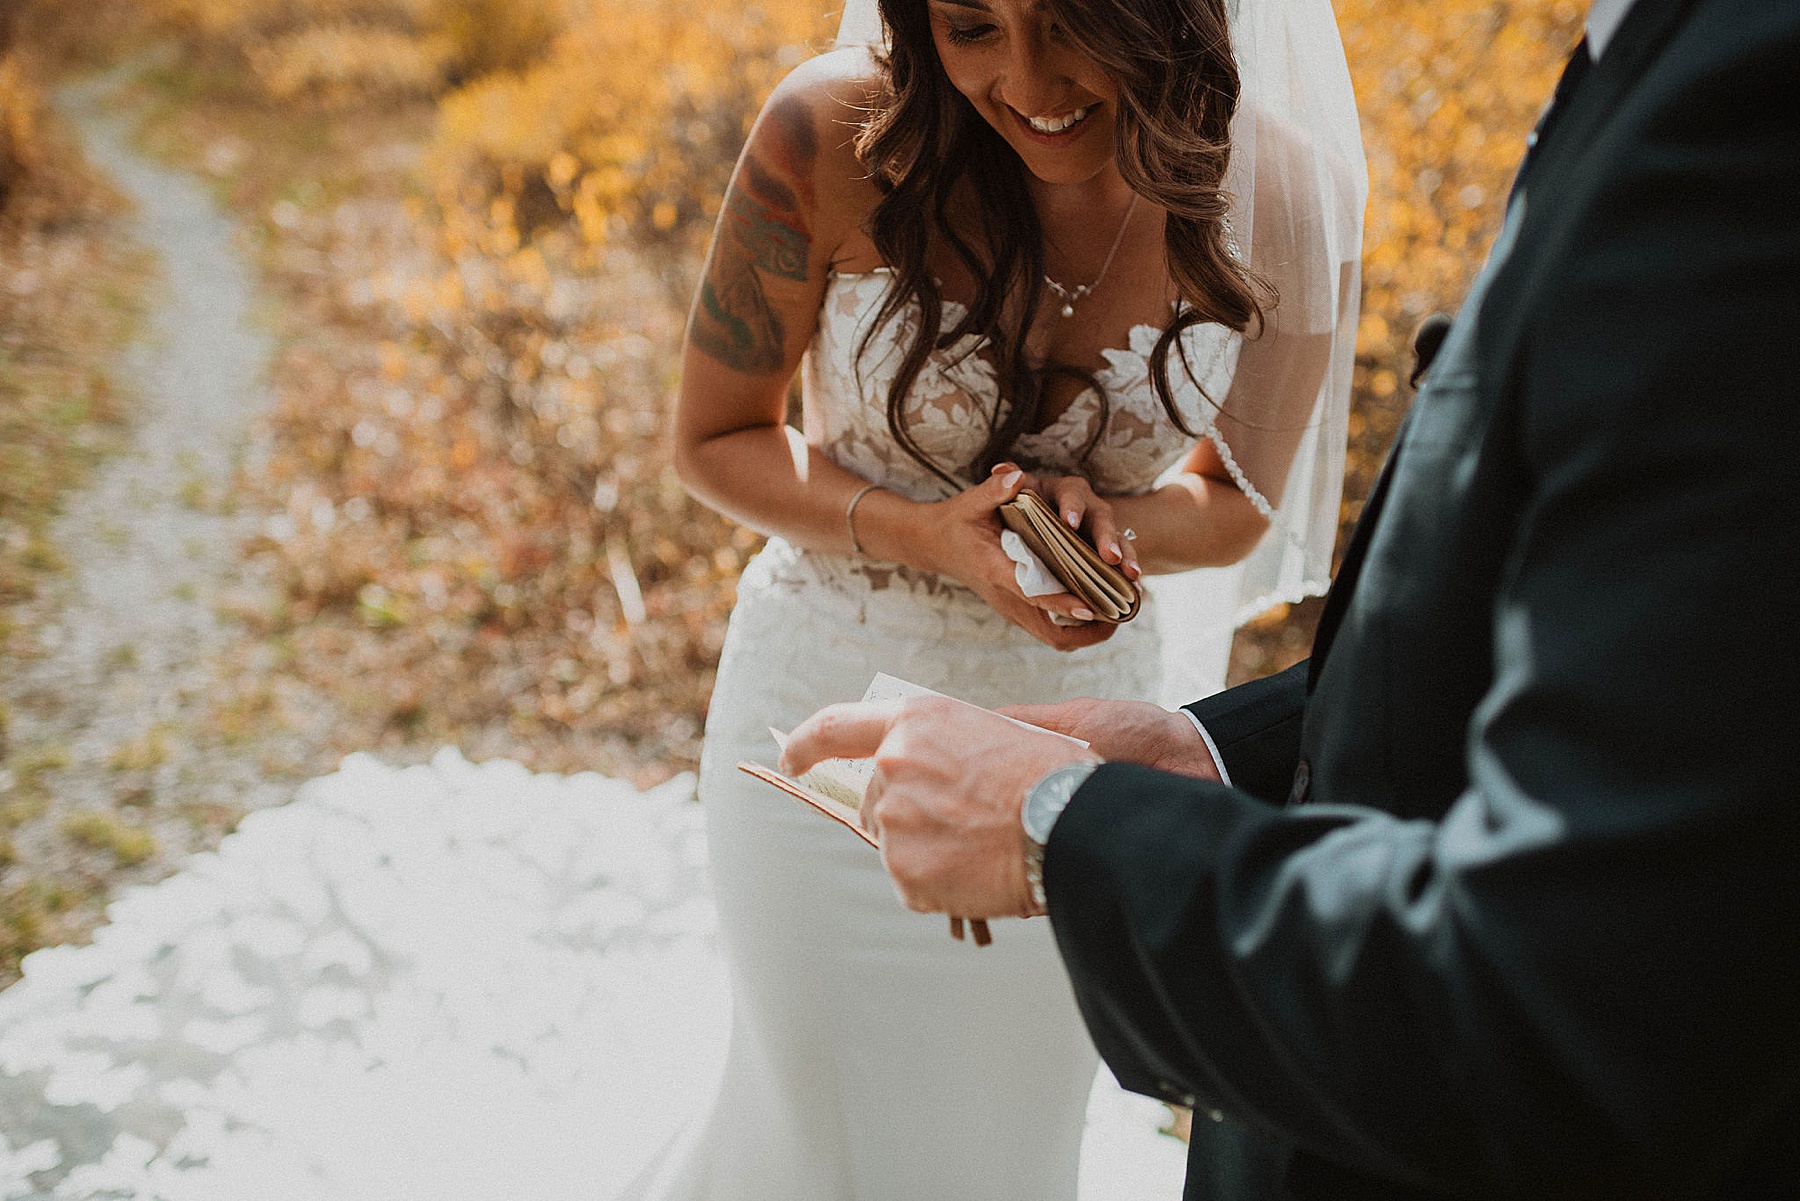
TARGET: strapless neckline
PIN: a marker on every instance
(958, 307)
(949, 410)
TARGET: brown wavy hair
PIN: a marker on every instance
(1177, 82)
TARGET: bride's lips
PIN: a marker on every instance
(1070, 128)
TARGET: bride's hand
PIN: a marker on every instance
(1076, 502)
(964, 544)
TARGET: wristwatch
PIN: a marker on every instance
(1044, 803)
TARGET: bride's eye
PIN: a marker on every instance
(963, 35)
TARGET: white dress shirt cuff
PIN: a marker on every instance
(1211, 748)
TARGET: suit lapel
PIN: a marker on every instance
(1585, 96)
(1337, 598)
(1580, 63)
(1588, 97)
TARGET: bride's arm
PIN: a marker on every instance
(1202, 517)
(780, 229)
(795, 203)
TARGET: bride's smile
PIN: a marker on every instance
(1060, 126)
(1015, 64)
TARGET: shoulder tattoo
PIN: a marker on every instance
(765, 231)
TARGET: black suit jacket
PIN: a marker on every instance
(1506, 901)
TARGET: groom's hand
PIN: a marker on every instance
(944, 801)
(1132, 731)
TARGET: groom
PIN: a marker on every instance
(1499, 894)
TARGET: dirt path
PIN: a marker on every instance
(117, 709)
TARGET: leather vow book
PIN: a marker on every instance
(1065, 554)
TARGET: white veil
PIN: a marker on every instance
(1298, 183)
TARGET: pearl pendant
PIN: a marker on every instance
(1068, 310)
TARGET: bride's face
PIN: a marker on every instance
(1051, 103)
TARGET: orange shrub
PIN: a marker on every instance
(1447, 92)
(21, 108)
(632, 120)
(338, 52)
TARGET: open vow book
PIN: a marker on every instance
(835, 787)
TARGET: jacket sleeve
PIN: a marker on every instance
(1256, 730)
(1582, 980)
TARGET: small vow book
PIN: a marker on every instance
(835, 787)
(1065, 554)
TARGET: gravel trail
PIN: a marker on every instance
(124, 652)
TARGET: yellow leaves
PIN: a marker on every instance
(503, 119)
(636, 112)
(562, 169)
(393, 361)
(488, 36)
(590, 212)
(527, 266)
(503, 229)
(622, 147)
(1447, 92)
(590, 115)
(1372, 333)
(330, 61)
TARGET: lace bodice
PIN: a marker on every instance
(950, 404)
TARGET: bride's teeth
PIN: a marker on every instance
(1058, 124)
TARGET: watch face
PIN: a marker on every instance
(1040, 815)
(1047, 798)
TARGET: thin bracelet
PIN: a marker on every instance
(850, 514)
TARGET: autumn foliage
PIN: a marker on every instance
(1447, 92)
(21, 111)
(473, 514)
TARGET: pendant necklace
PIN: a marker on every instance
(1070, 295)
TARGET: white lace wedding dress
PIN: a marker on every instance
(473, 983)
(871, 1056)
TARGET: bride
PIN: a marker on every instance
(1103, 248)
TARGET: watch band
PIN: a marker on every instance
(1034, 879)
(1044, 803)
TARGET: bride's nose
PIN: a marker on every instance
(1036, 82)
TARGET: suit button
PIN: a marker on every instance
(1302, 783)
(1215, 1115)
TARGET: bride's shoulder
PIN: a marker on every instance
(838, 85)
(810, 124)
